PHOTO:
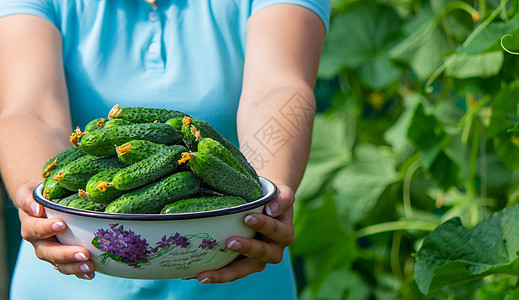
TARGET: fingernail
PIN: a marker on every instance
(85, 276)
(206, 280)
(85, 268)
(80, 256)
(57, 226)
(234, 245)
(35, 207)
(189, 278)
(272, 208)
(250, 220)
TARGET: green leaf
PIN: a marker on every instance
(325, 247)
(329, 152)
(479, 65)
(490, 37)
(424, 130)
(507, 150)
(341, 285)
(317, 175)
(444, 171)
(424, 46)
(396, 135)
(379, 73)
(504, 107)
(361, 183)
(329, 139)
(498, 287)
(360, 38)
(452, 254)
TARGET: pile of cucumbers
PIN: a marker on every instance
(143, 160)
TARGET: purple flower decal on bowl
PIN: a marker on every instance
(208, 244)
(121, 245)
(127, 247)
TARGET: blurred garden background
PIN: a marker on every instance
(415, 127)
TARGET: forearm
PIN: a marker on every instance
(277, 104)
(26, 143)
(34, 110)
(275, 129)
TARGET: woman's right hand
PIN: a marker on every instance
(40, 232)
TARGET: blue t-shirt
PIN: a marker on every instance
(187, 56)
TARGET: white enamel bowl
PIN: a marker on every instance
(154, 246)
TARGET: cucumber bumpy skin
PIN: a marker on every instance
(205, 130)
(176, 123)
(100, 189)
(116, 122)
(101, 142)
(64, 157)
(95, 124)
(51, 188)
(75, 175)
(85, 204)
(104, 123)
(215, 148)
(143, 114)
(222, 177)
(137, 150)
(66, 200)
(202, 204)
(160, 164)
(153, 197)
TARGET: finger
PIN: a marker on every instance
(87, 276)
(280, 231)
(80, 269)
(25, 202)
(257, 249)
(281, 203)
(33, 229)
(52, 251)
(235, 270)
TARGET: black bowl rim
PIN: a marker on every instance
(266, 198)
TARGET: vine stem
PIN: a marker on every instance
(406, 197)
(503, 46)
(395, 254)
(402, 224)
(472, 36)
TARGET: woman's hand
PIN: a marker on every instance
(40, 232)
(276, 232)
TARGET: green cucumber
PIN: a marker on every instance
(223, 178)
(215, 148)
(202, 204)
(64, 157)
(100, 189)
(95, 124)
(85, 204)
(116, 122)
(137, 150)
(52, 190)
(190, 133)
(101, 142)
(208, 131)
(104, 123)
(175, 122)
(143, 114)
(75, 175)
(156, 166)
(153, 197)
(66, 200)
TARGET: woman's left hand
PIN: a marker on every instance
(276, 232)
